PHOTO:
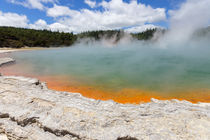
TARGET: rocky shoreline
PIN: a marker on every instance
(29, 110)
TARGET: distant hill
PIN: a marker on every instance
(101, 34)
(148, 34)
(116, 34)
(18, 37)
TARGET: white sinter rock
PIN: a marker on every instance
(6, 60)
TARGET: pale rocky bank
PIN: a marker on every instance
(30, 111)
(6, 60)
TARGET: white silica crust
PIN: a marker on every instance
(28, 110)
(6, 60)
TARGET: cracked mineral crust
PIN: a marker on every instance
(30, 111)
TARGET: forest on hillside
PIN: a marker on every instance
(102, 34)
(18, 37)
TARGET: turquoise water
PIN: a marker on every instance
(134, 65)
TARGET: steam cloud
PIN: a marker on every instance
(191, 16)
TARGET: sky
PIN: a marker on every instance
(87, 15)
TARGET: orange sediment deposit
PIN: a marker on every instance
(123, 96)
(194, 96)
(98, 94)
(126, 95)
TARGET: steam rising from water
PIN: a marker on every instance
(191, 16)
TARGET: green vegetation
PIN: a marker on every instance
(18, 37)
(117, 34)
(97, 35)
(146, 35)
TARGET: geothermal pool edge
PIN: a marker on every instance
(26, 106)
(28, 109)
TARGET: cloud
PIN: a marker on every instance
(42, 24)
(142, 28)
(39, 24)
(59, 27)
(115, 14)
(13, 19)
(33, 4)
(16, 20)
(90, 3)
(57, 11)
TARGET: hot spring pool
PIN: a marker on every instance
(125, 73)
